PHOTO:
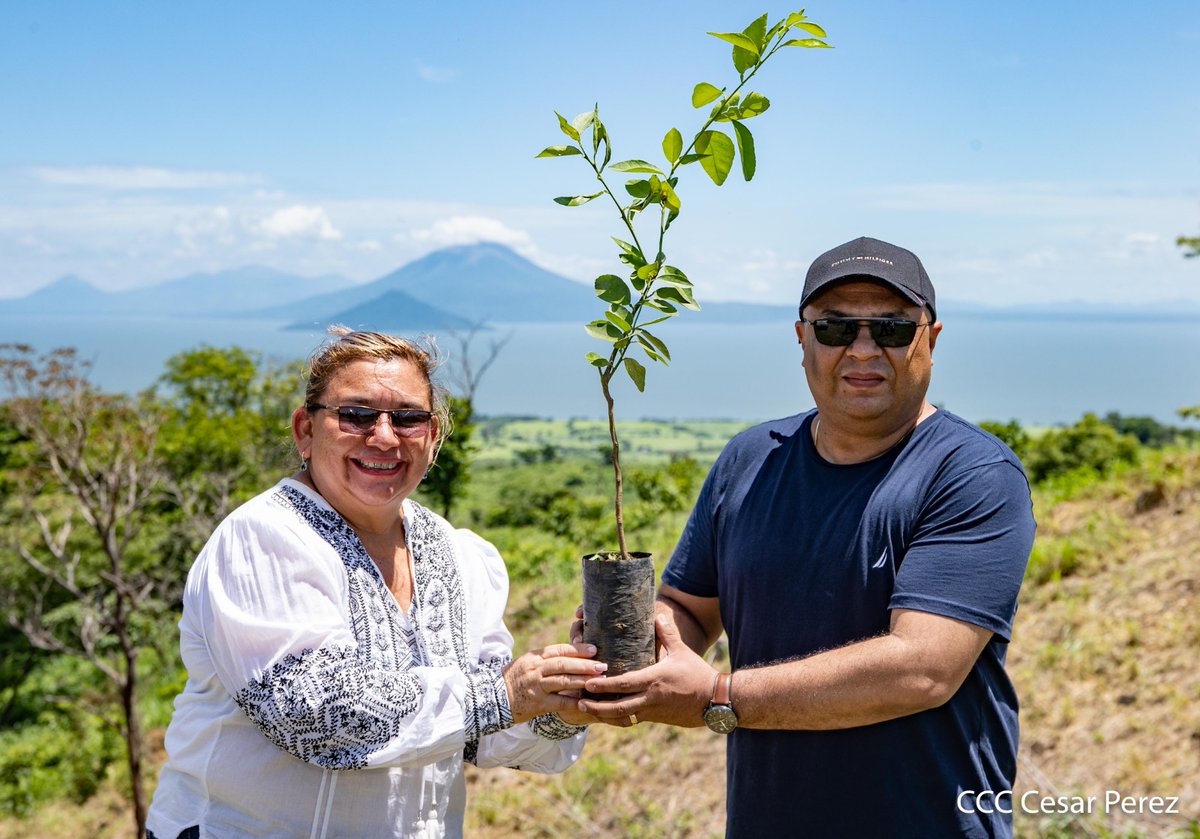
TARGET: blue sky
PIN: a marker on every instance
(1029, 152)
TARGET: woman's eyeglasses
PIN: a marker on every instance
(842, 332)
(357, 419)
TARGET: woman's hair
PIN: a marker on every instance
(347, 346)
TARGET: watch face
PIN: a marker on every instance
(720, 718)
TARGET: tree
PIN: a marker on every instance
(225, 433)
(654, 290)
(1090, 443)
(89, 581)
(1191, 249)
(448, 478)
(1190, 244)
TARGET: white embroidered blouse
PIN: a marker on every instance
(314, 706)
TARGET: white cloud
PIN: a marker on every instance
(466, 230)
(299, 222)
(141, 178)
(436, 75)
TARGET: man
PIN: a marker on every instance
(864, 559)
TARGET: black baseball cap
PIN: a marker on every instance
(871, 259)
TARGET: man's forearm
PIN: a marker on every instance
(870, 681)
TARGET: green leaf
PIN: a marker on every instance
(757, 32)
(618, 321)
(718, 149)
(743, 60)
(584, 121)
(648, 272)
(636, 166)
(612, 289)
(672, 145)
(682, 296)
(596, 360)
(558, 151)
(638, 188)
(625, 246)
(661, 305)
(796, 18)
(691, 158)
(576, 200)
(603, 330)
(631, 256)
(659, 346)
(753, 105)
(738, 39)
(702, 94)
(639, 284)
(566, 127)
(656, 320)
(810, 43)
(597, 129)
(670, 199)
(812, 29)
(745, 142)
(607, 144)
(673, 276)
(636, 372)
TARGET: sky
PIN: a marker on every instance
(1029, 152)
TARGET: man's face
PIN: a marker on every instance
(863, 385)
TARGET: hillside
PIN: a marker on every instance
(1104, 658)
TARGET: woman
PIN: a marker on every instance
(345, 646)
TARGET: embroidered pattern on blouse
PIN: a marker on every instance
(551, 727)
(334, 707)
(295, 707)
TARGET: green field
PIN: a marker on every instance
(517, 439)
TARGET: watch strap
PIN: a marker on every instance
(723, 689)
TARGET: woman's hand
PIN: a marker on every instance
(542, 681)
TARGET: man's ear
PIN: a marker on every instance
(935, 329)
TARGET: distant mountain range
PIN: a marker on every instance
(446, 290)
(229, 293)
(449, 289)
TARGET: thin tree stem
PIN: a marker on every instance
(616, 461)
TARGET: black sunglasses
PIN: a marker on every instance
(357, 419)
(842, 332)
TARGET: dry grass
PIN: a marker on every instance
(1105, 660)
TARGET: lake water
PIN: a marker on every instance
(1035, 370)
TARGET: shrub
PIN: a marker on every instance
(1088, 444)
(60, 756)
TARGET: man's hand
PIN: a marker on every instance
(675, 691)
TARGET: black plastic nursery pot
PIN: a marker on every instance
(618, 610)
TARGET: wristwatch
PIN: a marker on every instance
(719, 715)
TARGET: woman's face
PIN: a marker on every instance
(366, 476)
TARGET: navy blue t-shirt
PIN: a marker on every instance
(807, 556)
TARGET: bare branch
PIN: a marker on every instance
(466, 376)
